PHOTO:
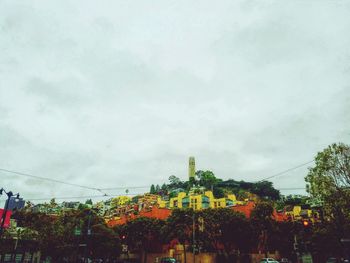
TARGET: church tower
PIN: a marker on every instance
(191, 168)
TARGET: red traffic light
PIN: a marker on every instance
(123, 236)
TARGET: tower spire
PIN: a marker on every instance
(191, 168)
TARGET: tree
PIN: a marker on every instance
(331, 173)
(266, 190)
(152, 189)
(143, 233)
(164, 188)
(179, 226)
(57, 238)
(329, 181)
(53, 203)
(218, 192)
(261, 219)
(226, 230)
(174, 181)
(157, 188)
(207, 179)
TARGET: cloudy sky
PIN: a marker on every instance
(121, 93)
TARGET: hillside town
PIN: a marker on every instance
(205, 209)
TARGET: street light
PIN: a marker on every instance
(193, 236)
(3, 219)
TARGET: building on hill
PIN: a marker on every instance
(120, 201)
(198, 199)
(300, 212)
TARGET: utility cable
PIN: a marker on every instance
(81, 197)
(49, 179)
(286, 171)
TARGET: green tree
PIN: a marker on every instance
(157, 188)
(329, 181)
(53, 203)
(207, 179)
(218, 192)
(152, 189)
(266, 190)
(174, 181)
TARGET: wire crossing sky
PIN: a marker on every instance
(120, 93)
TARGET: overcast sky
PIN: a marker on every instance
(121, 93)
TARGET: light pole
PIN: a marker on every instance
(3, 219)
(193, 236)
(88, 233)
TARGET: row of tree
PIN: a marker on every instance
(64, 238)
(231, 235)
(77, 234)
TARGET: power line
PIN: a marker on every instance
(49, 179)
(71, 184)
(296, 188)
(122, 188)
(134, 187)
(79, 197)
(286, 171)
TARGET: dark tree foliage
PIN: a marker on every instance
(265, 189)
(56, 236)
(209, 181)
(218, 192)
(144, 234)
(152, 189)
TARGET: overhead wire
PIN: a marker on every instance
(49, 179)
(71, 184)
(129, 187)
(286, 171)
(79, 197)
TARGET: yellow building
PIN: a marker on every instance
(176, 202)
(198, 201)
(298, 213)
(162, 203)
(120, 201)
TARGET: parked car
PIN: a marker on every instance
(268, 260)
(168, 260)
(332, 260)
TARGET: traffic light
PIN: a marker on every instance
(306, 223)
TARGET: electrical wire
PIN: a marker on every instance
(71, 184)
(286, 171)
(127, 187)
(122, 188)
(49, 179)
(82, 197)
(296, 188)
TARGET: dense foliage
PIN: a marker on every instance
(209, 181)
(68, 236)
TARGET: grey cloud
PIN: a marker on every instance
(118, 94)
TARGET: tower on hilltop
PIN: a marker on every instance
(191, 168)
